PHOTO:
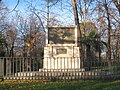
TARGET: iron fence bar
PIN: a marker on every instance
(32, 64)
(23, 65)
(15, 68)
(6, 67)
(12, 68)
(20, 66)
(3, 67)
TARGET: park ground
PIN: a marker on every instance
(60, 85)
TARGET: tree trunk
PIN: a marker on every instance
(11, 52)
(117, 49)
(109, 37)
(78, 28)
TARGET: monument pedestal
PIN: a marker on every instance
(64, 56)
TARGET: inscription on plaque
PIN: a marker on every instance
(61, 35)
(61, 51)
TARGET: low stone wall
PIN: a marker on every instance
(61, 75)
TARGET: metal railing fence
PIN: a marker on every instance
(33, 68)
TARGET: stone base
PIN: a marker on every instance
(61, 63)
(61, 56)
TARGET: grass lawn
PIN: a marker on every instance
(68, 85)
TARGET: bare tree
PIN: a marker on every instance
(108, 21)
(109, 30)
(3, 16)
(117, 4)
(10, 39)
(4, 24)
(30, 35)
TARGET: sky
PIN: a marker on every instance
(12, 3)
(59, 10)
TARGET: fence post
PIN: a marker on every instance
(1, 67)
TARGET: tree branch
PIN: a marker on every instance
(15, 6)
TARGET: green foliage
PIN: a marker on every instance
(87, 28)
(114, 68)
(92, 34)
(93, 40)
(89, 39)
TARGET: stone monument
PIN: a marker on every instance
(61, 50)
